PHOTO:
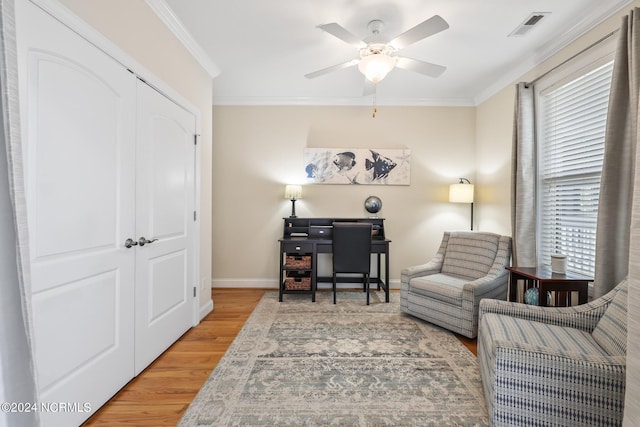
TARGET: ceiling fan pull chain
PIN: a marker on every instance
(375, 108)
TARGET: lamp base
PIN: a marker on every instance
(471, 216)
(293, 209)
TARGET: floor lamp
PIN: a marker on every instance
(462, 192)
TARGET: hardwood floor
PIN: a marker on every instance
(162, 392)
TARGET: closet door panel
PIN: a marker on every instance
(78, 112)
(165, 207)
(76, 160)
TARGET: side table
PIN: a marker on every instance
(542, 278)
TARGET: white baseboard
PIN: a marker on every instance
(245, 283)
(206, 309)
(273, 284)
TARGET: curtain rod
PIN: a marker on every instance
(573, 57)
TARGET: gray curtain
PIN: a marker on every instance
(523, 179)
(17, 371)
(616, 189)
(619, 229)
(632, 400)
(618, 235)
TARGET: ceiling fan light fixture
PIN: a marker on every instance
(376, 66)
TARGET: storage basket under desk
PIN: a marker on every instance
(295, 281)
(297, 262)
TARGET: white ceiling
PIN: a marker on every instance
(263, 49)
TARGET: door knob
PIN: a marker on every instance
(130, 242)
(142, 241)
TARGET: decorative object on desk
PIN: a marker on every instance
(373, 204)
(293, 193)
(357, 166)
(462, 193)
(531, 296)
(559, 263)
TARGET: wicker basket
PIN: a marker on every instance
(298, 261)
(297, 283)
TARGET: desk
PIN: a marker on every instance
(543, 279)
(301, 244)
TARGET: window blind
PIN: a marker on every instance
(573, 123)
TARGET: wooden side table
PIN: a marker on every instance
(543, 279)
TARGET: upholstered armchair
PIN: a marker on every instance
(551, 366)
(447, 290)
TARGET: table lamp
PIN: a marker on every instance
(293, 192)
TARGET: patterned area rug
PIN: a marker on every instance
(299, 363)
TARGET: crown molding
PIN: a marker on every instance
(339, 101)
(171, 21)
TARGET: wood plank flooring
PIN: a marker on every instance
(162, 392)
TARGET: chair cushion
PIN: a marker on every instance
(521, 331)
(470, 254)
(439, 287)
(611, 331)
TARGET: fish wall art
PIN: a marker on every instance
(357, 166)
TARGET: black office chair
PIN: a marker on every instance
(351, 251)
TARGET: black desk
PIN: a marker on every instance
(301, 244)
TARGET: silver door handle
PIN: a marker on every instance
(142, 241)
(129, 243)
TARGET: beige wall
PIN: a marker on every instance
(136, 29)
(257, 150)
(494, 133)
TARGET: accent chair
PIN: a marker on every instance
(447, 290)
(554, 366)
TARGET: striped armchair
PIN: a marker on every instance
(548, 366)
(447, 290)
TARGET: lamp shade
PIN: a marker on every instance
(376, 66)
(461, 193)
(293, 192)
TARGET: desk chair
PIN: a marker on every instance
(351, 251)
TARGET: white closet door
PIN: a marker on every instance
(79, 136)
(165, 206)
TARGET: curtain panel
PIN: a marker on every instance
(618, 239)
(523, 179)
(17, 370)
(616, 188)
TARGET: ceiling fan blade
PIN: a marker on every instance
(426, 68)
(332, 68)
(338, 31)
(369, 87)
(431, 26)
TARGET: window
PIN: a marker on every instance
(572, 122)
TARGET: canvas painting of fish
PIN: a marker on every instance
(357, 166)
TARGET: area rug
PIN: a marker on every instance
(299, 363)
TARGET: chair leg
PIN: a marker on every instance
(366, 280)
(334, 288)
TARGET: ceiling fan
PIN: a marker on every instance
(378, 57)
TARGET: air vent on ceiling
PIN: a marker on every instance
(528, 24)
